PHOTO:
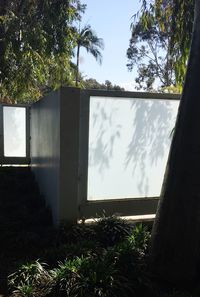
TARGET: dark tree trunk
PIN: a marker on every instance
(77, 64)
(175, 246)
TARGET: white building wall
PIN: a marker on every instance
(124, 156)
(129, 141)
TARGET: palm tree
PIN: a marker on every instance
(88, 39)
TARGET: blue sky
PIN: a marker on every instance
(111, 21)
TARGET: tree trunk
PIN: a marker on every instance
(77, 64)
(175, 246)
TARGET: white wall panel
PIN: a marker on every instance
(14, 131)
(129, 141)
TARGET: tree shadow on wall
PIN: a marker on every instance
(151, 137)
(13, 137)
(101, 147)
(149, 123)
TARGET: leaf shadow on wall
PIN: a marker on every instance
(14, 126)
(150, 137)
(101, 148)
(142, 135)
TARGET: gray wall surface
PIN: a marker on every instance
(69, 153)
(69, 140)
(45, 148)
(55, 150)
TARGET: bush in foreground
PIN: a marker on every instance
(106, 259)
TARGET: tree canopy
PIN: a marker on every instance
(88, 39)
(166, 28)
(37, 39)
(92, 83)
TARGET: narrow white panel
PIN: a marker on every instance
(14, 129)
(129, 141)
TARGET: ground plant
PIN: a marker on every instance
(107, 258)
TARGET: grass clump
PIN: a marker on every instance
(106, 259)
(111, 230)
(97, 260)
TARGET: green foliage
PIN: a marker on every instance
(165, 26)
(91, 83)
(32, 279)
(83, 277)
(111, 230)
(91, 264)
(75, 233)
(93, 270)
(65, 277)
(181, 16)
(27, 273)
(149, 50)
(139, 237)
(99, 277)
(37, 41)
(63, 251)
(88, 39)
(24, 290)
(132, 264)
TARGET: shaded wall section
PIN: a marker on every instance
(54, 151)
(45, 148)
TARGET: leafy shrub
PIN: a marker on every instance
(32, 279)
(65, 277)
(89, 276)
(24, 290)
(132, 264)
(107, 259)
(111, 230)
(97, 277)
(68, 234)
(59, 253)
(139, 237)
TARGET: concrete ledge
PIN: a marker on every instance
(122, 207)
(147, 219)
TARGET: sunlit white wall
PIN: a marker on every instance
(14, 126)
(129, 141)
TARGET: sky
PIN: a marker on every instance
(111, 20)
